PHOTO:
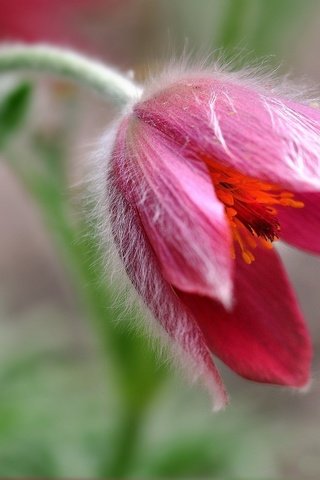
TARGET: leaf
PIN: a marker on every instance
(194, 457)
(13, 110)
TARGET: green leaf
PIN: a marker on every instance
(193, 457)
(13, 110)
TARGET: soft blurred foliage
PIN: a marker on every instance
(83, 395)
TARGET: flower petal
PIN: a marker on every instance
(239, 126)
(264, 338)
(310, 111)
(301, 226)
(141, 265)
(184, 221)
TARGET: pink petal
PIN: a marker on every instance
(264, 338)
(185, 338)
(240, 126)
(184, 221)
(301, 226)
(309, 111)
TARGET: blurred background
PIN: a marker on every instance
(80, 394)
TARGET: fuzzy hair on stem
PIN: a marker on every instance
(103, 80)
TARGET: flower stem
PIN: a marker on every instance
(65, 63)
(127, 442)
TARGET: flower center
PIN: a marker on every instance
(250, 207)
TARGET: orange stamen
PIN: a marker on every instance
(250, 206)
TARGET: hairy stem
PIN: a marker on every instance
(65, 63)
(127, 441)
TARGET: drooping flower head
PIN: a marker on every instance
(205, 173)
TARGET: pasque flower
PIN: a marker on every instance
(206, 172)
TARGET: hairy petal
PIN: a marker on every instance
(264, 338)
(310, 111)
(239, 126)
(137, 255)
(301, 226)
(182, 218)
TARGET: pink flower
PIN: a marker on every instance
(206, 172)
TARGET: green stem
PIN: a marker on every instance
(233, 25)
(65, 63)
(127, 442)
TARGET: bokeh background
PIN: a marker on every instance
(81, 395)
